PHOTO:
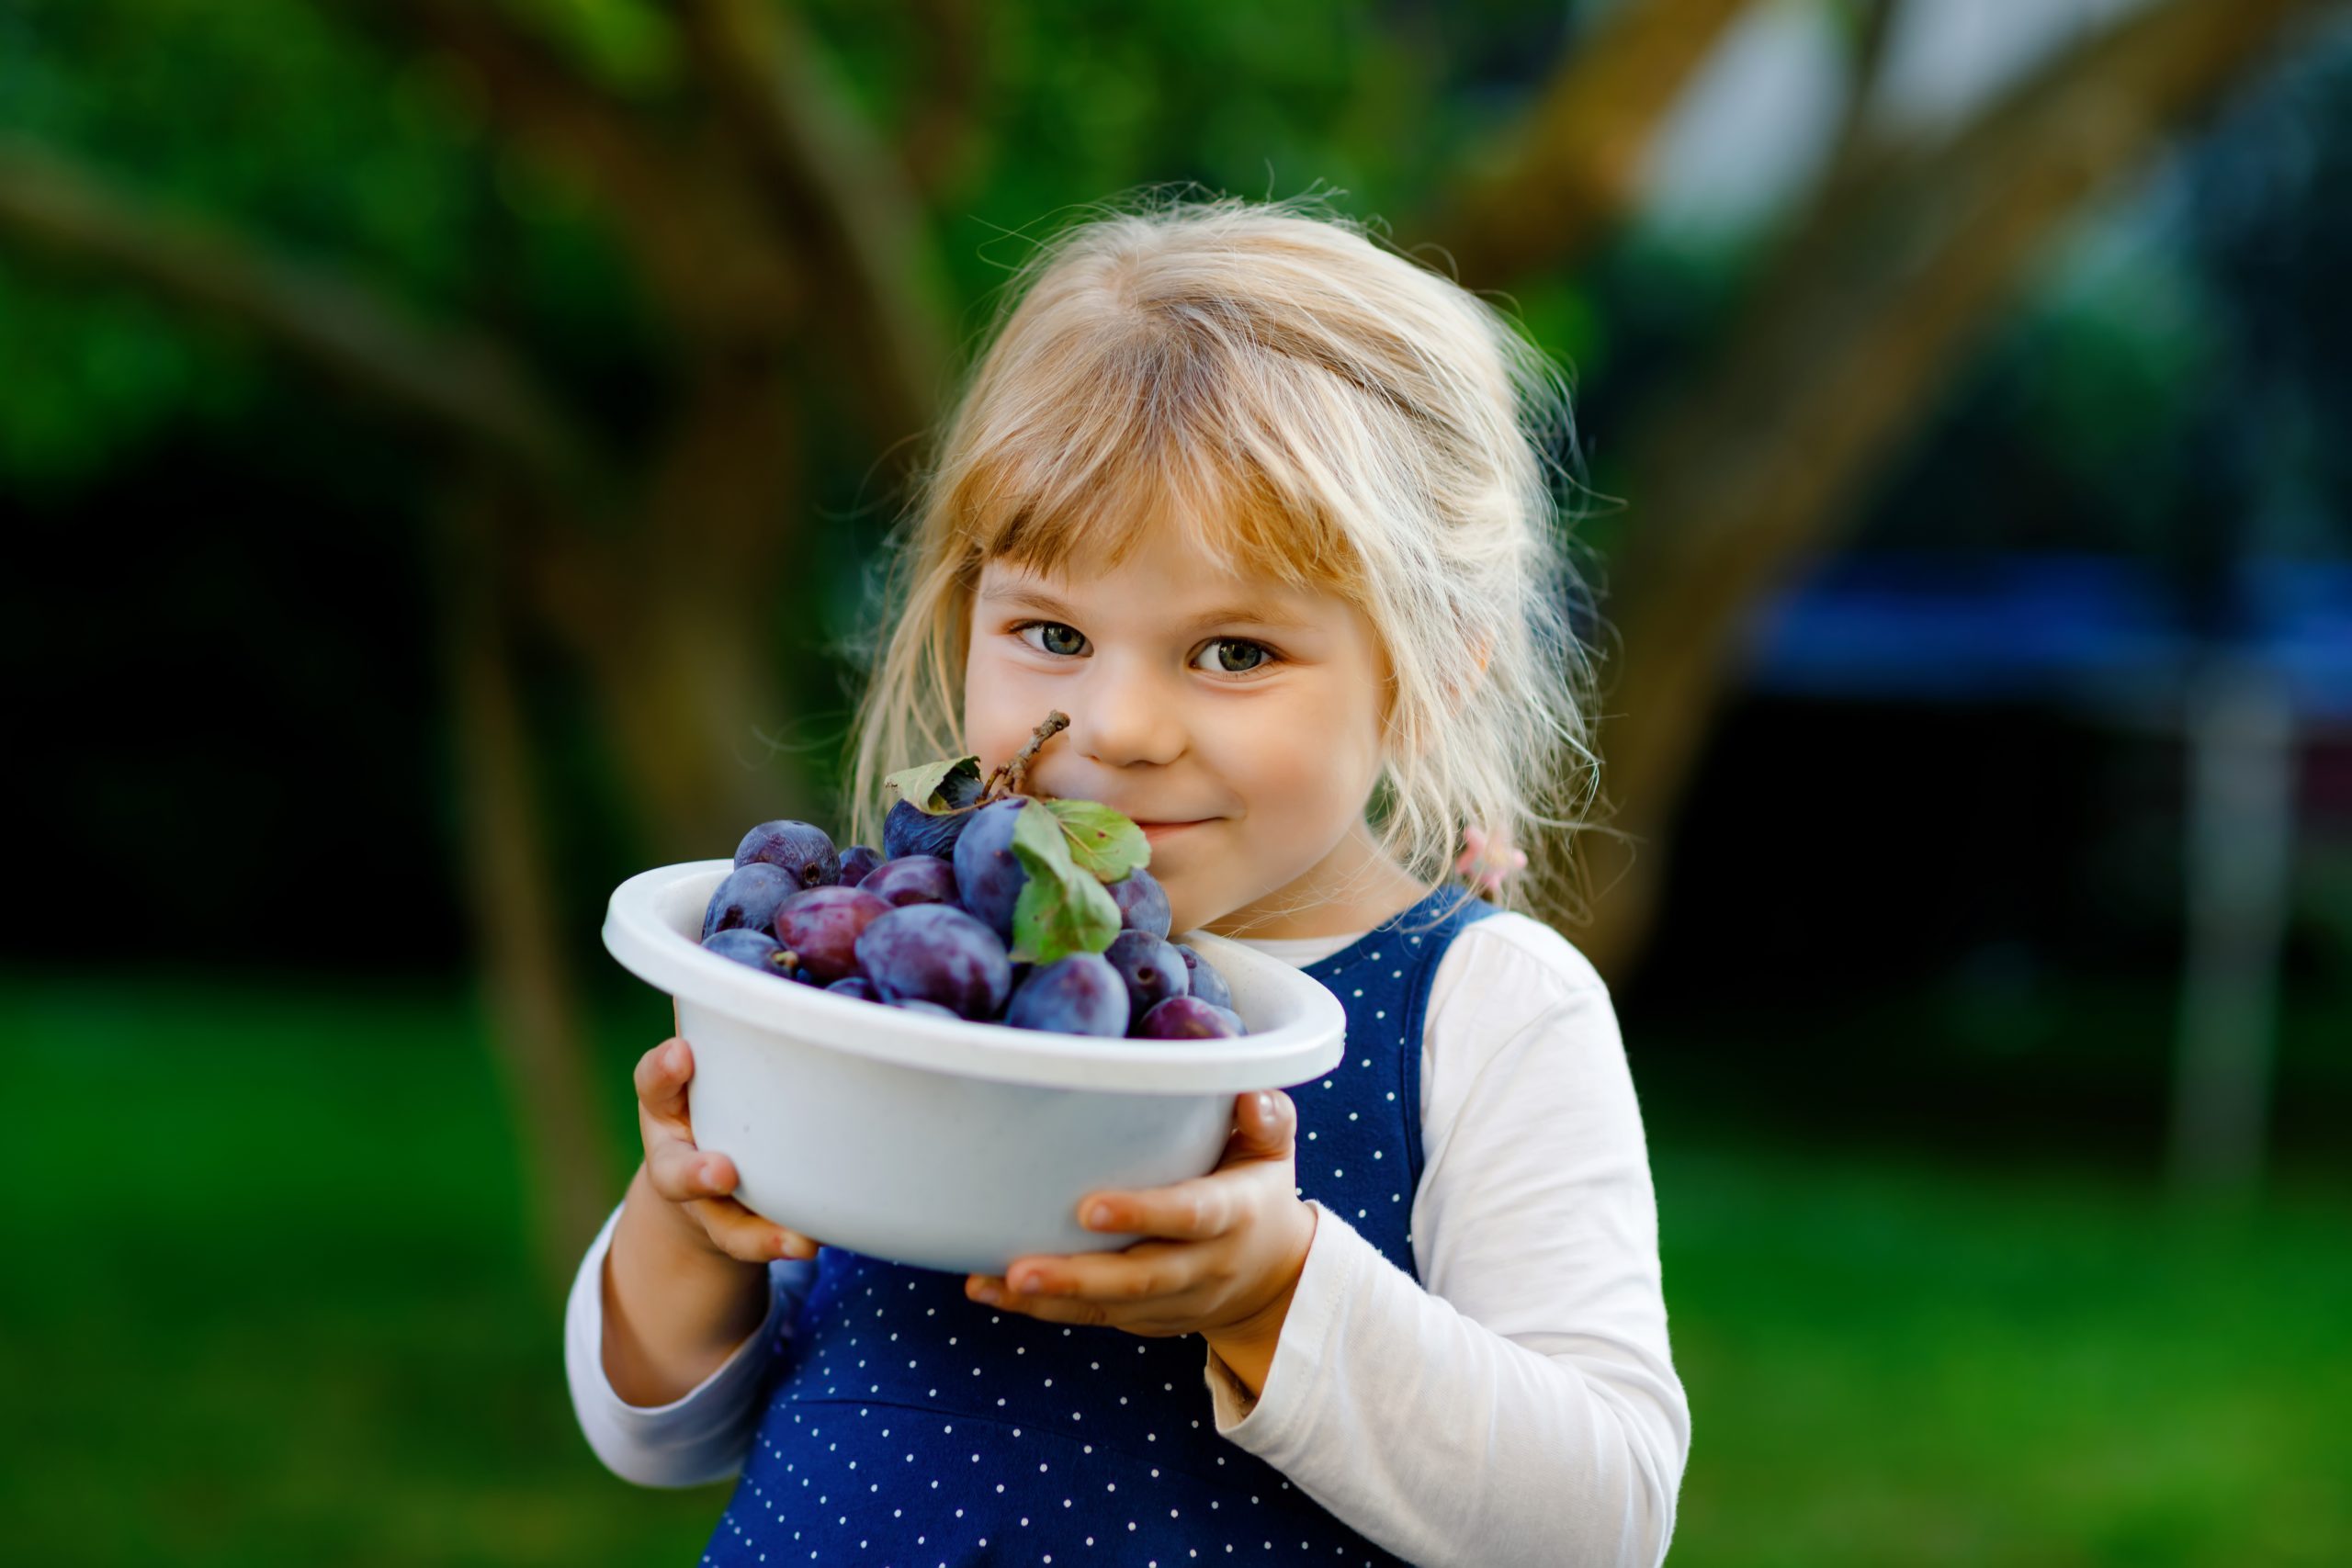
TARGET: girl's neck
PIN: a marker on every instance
(1352, 890)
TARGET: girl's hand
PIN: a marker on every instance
(695, 1185)
(1236, 1240)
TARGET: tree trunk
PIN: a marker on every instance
(570, 1178)
(674, 621)
(1870, 310)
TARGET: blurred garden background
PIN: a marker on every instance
(447, 442)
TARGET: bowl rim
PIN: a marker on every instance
(1311, 1044)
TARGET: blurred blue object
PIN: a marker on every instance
(2096, 629)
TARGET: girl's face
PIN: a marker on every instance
(1246, 713)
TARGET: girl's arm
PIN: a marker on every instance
(1522, 1407)
(673, 1309)
(665, 1358)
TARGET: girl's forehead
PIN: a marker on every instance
(1158, 586)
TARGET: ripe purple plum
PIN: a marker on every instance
(746, 899)
(1151, 968)
(1187, 1018)
(1143, 903)
(912, 879)
(1080, 993)
(916, 1004)
(821, 926)
(804, 851)
(855, 862)
(936, 953)
(1206, 983)
(856, 985)
(989, 876)
(756, 949)
(909, 830)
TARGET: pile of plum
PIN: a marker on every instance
(993, 910)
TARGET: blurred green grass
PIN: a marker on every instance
(268, 1303)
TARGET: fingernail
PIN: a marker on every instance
(1029, 1285)
(1099, 1215)
(1265, 1108)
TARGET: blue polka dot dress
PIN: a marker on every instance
(905, 1424)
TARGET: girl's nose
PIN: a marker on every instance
(1126, 714)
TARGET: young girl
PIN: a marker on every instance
(1265, 510)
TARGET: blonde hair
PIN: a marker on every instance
(1313, 410)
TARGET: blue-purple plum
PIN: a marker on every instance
(856, 985)
(1187, 1018)
(936, 953)
(855, 862)
(1151, 968)
(912, 879)
(909, 831)
(756, 949)
(1143, 903)
(1080, 993)
(821, 926)
(746, 899)
(989, 876)
(1206, 983)
(802, 850)
(916, 1004)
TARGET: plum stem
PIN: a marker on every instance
(1013, 776)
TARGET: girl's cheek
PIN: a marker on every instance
(992, 707)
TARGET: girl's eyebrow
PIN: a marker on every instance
(1029, 599)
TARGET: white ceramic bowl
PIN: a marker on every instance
(941, 1143)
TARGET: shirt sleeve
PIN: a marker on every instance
(704, 1434)
(1522, 1407)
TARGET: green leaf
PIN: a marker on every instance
(921, 783)
(1062, 909)
(1105, 843)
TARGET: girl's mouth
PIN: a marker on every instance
(1154, 831)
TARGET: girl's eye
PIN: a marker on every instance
(1244, 658)
(1227, 655)
(1052, 636)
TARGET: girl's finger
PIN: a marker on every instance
(1188, 1211)
(681, 1173)
(660, 1078)
(741, 1234)
(1265, 1127)
(1112, 1278)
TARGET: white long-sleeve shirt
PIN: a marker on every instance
(1517, 1405)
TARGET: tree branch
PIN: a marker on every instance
(455, 383)
(1546, 190)
(1837, 360)
(707, 258)
(836, 195)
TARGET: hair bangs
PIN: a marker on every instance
(1117, 469)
